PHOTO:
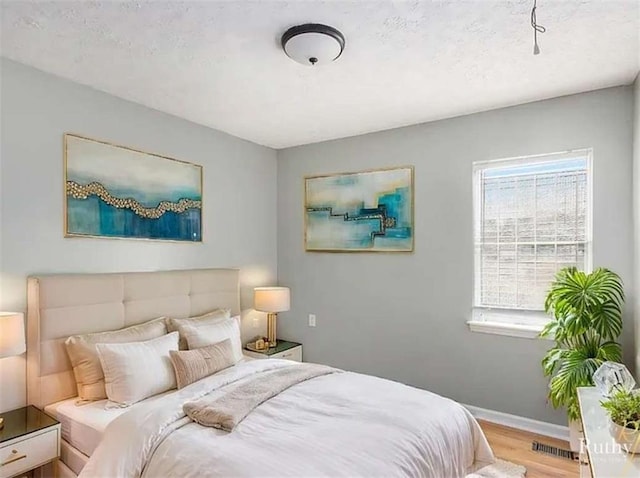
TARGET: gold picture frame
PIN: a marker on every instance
(363, 211)
(113, 191)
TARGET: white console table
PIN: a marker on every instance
(606, 459)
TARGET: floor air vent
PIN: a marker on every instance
(554, 450)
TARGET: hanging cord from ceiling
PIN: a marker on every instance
(536, 29)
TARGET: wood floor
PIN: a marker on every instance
(515, 446)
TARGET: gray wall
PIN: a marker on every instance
(636, 212)
(402, 316)
(239, 221)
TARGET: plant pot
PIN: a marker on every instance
(575, 435)
(627, 438)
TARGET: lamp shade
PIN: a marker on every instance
(271, 299)
(12, 341)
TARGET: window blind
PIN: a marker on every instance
(532, 219)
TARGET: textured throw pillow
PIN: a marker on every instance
(192, 365)
(205, 319)
(210, 334)
(84, 358)
(137, 370)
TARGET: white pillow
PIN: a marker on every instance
(136, 370)
(205, 319)
(204, 335)
(84, 358)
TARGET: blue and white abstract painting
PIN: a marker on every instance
(114, 191)
(355, 212)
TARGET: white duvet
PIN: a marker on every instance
(338, 425)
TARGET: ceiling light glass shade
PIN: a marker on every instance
(313, 44)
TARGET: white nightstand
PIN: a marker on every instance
(606, 458)
(29, 439)
(284, 350)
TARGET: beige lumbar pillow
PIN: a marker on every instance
(84, 357)
(134, 371)
(192, 365)
(204, 319)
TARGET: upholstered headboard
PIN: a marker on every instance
(64, 305)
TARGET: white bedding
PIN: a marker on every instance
(83, 426)
(343, 424)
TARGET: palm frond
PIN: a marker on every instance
(610, 352)
(576, 371)
(606, 319)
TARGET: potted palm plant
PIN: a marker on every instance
(586, 321)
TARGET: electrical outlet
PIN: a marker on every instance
(256, 323)
(312, 320)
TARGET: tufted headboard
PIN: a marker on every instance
(62, 305)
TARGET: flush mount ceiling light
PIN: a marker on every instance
(313, 44)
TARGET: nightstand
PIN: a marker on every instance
(284, 350)
(605, 457)
(29, 439)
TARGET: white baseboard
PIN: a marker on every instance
(522, 423)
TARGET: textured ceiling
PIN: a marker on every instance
(219, 63)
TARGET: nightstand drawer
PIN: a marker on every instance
(24, 455)
(294, 354)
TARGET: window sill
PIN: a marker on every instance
(501, 328)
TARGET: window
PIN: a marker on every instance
(532, 218)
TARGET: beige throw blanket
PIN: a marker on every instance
(227, 411)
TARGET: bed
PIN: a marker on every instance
(334, 425)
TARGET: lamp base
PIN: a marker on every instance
(271, 329)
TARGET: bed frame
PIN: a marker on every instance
(62, 305)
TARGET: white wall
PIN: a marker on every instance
(402, 316)
(239, 222)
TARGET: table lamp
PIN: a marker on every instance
(271, 300)
(12, 341)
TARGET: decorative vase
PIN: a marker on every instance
(627, 438)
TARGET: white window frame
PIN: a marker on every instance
(522, 323)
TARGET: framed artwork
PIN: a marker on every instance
(367, 211)
(113, 191)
